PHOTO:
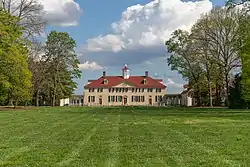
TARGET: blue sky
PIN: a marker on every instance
(107, 39)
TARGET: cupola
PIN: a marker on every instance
(125, 72)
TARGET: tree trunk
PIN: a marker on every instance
(210, 94)
(227, 92)
(37, 98)
(217, 94)
(15, 104)
(198, 98)
(54, 100)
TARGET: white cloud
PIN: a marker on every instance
(90, 66)
(149, 25)
(61, 12)
(171, 83)
(138, 37)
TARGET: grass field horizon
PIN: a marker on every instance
(124, 136)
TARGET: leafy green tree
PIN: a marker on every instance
(218, 30)
(243, 45)
(61, 65)
(183, 58)
(236, 96)
(15, 82)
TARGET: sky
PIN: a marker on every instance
(112, 33)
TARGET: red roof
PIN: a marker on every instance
(136, 81)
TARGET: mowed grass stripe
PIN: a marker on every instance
(147, 137)
(14, 127)
(32, 127)
(43, 148)
(79, 146)
(115, 143)
(135, 140)
(211, 154)
(219, 148)
(39, 134)
(153, 147)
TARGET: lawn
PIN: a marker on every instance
(126, 137)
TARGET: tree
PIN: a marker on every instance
(61, 65)
(15, 83)
(236, 94)
(204, 58)
(30, 14)
(183, 59)
(233, 3)
(243, 45)
(38, 69)
(218, 30)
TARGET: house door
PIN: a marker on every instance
(100, 101)
(150, 101)
(125, 100)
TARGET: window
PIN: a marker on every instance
(142, 90)
(113, 89)
(109, 99)
(138, 99)
(116, 98)
(158, 90)
(150, 90)
(120, 89)
(133, 89)
(126, 89)
(112, 98)
(109, 89)
(100, 90)
(158, 98)
(142, 98)
(92, 98)
(105, 81)
(120, 98)
(117, 89)
(91, 90)
(144, 81)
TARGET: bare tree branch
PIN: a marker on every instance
(30, 14)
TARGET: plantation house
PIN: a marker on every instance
(128, 90)
(124, 90)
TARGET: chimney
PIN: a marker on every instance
(146, 74)
(185, 87)
(104, 73)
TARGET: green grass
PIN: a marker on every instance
(127, 137)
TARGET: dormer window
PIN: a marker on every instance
(105, 81)
(144, 81)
